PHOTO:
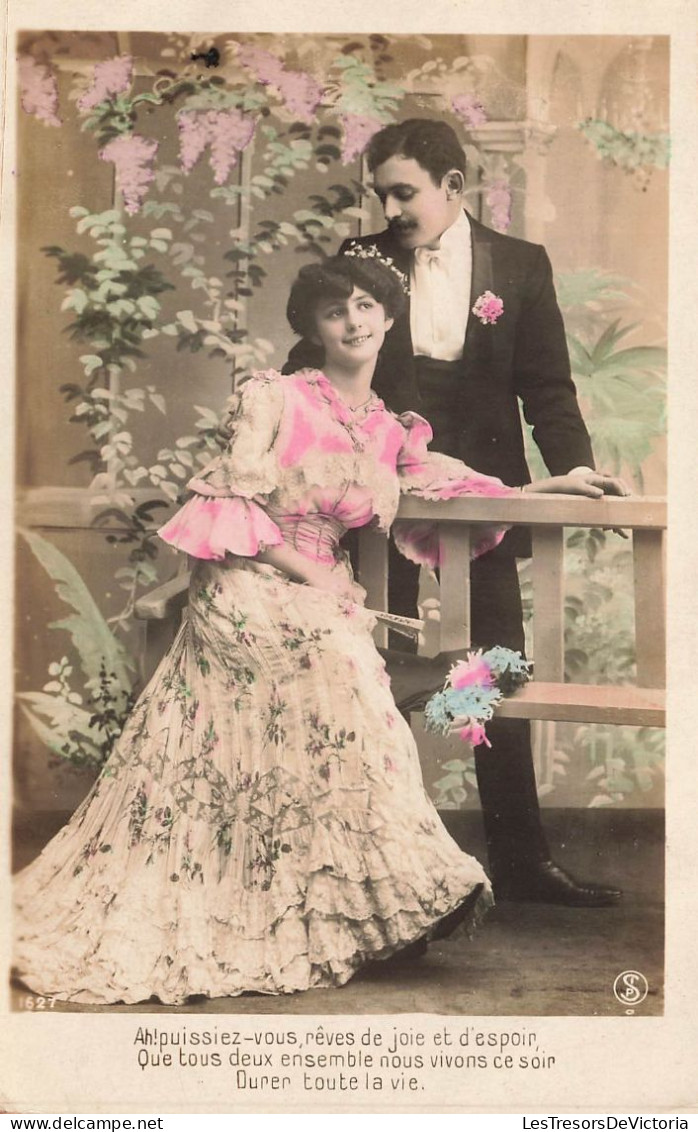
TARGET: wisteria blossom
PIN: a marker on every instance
(300, 92)
(111, 77)
(469, 109)
(231, 132)
(358, 131)
(38, 91)
(132, 157)
(193, 137)
(498, 199)
(227, 132)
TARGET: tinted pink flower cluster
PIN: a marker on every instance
(38, 91)
(498, 199)
(469, 109)
(474, 688)
(132, 157)
(299, 91)
(111, 77)
(474, 733)
(358, 131)
(488, 307)
(227, 132)
(473, 670)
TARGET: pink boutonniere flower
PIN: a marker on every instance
(488, 308)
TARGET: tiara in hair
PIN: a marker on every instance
(370, 251)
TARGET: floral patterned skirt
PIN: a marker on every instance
(262, 823)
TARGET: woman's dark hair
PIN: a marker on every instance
(336, 278)
(433, 144)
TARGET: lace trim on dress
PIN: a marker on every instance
(433, 475)
(211, 527)
(249, 466)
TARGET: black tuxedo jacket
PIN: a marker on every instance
(520, 359)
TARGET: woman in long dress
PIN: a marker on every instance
(262, 824)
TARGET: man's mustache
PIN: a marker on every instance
(401, 225)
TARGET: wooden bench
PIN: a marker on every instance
(547, 697)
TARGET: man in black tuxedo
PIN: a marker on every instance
(466, 371)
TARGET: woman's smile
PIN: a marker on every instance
(351, 329)
(357, 339)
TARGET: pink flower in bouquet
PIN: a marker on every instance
(498, 200)
(231, 132)
(132, 156)
(488, 307)
(474, 733)
(38, 91)
(358, 131)
(111, 77)
(473, 670)
(469, 109)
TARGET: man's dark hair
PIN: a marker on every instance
(336, 278)
(432, 143)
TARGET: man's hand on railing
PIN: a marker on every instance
(592, 484)
(584, 482)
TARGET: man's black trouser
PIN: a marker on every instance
(505, 774)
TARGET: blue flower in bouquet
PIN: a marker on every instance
(500, 660)
(436, 714)
(473, 689)
(509, 669)
(475, 701)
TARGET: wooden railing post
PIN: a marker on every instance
(454, 573)
(650, 628)
(548, 603)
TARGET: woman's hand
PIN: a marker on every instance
(591, 484)
(334, 582)
(301, 569)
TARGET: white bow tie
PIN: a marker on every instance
(432, 255)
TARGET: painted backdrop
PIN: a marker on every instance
(169, 189)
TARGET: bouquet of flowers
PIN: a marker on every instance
(473, 689)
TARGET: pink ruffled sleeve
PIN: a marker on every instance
(226, 513)
(432, 475)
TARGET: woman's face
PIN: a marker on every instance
(351, 330)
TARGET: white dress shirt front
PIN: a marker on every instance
(440, 294)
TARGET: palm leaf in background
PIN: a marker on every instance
(591, 289)
(621, 390)
(623, 396)
(56, 722)
(94, 641)
(83, 733)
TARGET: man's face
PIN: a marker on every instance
(417, 210)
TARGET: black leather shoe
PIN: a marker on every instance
(411, 951)
(448, 924)
(546, 883)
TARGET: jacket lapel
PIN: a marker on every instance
(478, 341)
